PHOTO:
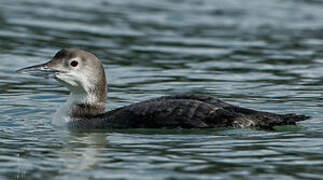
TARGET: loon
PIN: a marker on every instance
(83, 75)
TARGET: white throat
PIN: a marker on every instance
(63, 114)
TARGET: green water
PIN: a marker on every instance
(259, 54)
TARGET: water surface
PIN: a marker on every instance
(258, 54)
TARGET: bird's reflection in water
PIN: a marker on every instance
(82, 150)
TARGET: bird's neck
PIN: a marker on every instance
(79, 106)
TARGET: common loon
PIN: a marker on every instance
(83, 74)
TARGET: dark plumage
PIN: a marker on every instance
(185, 111)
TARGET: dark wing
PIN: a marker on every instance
(169, 113)
(245, 117)
(190, 111)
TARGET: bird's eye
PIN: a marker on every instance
(74, 63)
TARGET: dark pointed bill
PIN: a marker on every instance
(39, 70)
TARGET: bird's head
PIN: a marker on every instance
(79, 71)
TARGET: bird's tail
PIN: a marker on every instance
(293, 118)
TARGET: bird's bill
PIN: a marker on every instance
(39, 70)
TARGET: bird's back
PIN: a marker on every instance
(186, 111)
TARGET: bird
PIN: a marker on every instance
(82, 73)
